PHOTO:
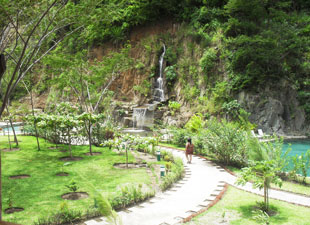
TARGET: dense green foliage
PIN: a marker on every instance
(249, 44)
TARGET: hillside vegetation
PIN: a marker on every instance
(215, 50)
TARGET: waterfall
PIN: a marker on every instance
(159, 94)
(138, 117)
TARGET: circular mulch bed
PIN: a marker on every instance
(10, 150)
(93, 153)
(20, 176)
(75, 195)
(130, 165)
(62, 174)
(53, 147)
(63, 150)
(68, 158)
(13, 210)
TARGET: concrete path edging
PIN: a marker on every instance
(203, 185)
(197, 191)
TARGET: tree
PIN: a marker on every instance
(265, 164)
(89, 82)
(28, 32)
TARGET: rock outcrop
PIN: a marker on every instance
(275, 109)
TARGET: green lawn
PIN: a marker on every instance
(171, 146)
(41, 193)
(236, 208)
(286, 185)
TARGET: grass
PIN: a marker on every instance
(171, 146)
(236, 208)
(286, 185)
(40, 195)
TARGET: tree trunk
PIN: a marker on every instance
(15, 138)
(9, 136)
(32, 110)
(69, 141)
(34, 123)
(126, 157)
(90, 130)
(266, 195)
(0, 187)
(11, 123)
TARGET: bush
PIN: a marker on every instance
(174, 106)
(179, 137)
(64, 216)
(196, 123)
(227, 143)
(177, 169)
(129, 194)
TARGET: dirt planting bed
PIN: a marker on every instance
(13, 210)
(75, 195)
(20, 176)
(68, 158)
(130, 165)
(62, 174)
(93, 153)
(10, 150)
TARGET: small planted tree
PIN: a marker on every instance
(264, 167)
(35, 120)
(69, 124)
(89, 119)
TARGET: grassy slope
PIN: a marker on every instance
(237, 206)
(41, 193)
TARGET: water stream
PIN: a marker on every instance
(138, 117)
(159, 94)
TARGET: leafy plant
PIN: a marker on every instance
(196, 123)
(171, 75)
(301, 164)
(72, 186)
(174, 106)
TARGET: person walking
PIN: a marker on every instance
(189, 150)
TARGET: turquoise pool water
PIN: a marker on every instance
(298, 147)
(16, 128)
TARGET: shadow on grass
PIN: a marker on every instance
(279, 216)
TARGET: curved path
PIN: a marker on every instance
(202, 183)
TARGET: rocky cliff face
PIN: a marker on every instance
(275, 109)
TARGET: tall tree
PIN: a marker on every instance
(29, 30)
(89, 82)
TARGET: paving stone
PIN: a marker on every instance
(202, 179)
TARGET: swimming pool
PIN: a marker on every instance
(5, 130)
(298, 146)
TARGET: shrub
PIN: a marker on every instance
(177, 169)
(174, 106)
(179, 137)
(129, 194)
(195, 124)
(227, 143)
(171, 74)
(64, 216)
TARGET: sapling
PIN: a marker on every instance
(72, 186)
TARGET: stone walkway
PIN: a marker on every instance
(202, 183)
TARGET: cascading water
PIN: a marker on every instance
(159, 94)
(138, 117)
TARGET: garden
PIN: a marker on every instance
(48, 179)
(266, 164)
